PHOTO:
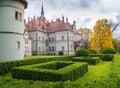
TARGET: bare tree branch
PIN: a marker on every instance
(115, 27)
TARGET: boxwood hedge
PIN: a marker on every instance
(107, 57)
(6, 66)
(90, 60)
(36, 72)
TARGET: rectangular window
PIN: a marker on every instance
(53, 49)
(49, 39)
(18, 45)
(50, 49)
(42, 38)
(52, 39)
(39, 49)
(62, 48)
(18, 16)
(62, 38)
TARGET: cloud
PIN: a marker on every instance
(87, 11)
(88, 3)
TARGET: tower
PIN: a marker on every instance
(42, 11)
(12, 29)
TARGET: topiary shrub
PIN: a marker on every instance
(81, 52)
(46, 72)
(61, 53)
(108, 51)
(92, 51)
(107, 57)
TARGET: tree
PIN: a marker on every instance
(102, 36)
(114, 25)
(85, 36)
(116, 43)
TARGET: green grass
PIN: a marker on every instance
(102, 75)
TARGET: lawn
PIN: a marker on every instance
(102, 75)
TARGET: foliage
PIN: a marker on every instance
(116, 43)
(102, 36)
(81, 52)
(107, 57)
(95, 55)
(36, 72)
(90, 60)
(85, 36)
(7, 65)
(108, 51)
(103, 75)
(92, 51)
(61, 53)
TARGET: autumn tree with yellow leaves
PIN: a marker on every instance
(102, 36)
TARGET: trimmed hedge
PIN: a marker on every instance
(81, 52)
(6, 66)
(92, 51)
(90, 60)
(34, 72)
(108, 51)
(95, 55)
(61, 53)
(107, 57)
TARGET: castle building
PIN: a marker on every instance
(12, 29)
(51, 37)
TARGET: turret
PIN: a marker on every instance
(12, 29)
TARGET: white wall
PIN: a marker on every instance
(11, 30)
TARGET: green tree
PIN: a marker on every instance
(85, 36)
(116, 43)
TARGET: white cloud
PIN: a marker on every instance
(78, 10)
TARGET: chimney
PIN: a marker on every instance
(66, 20)
(62, 19)
(34, 17)
(38, 18)
(51, 20)
(28, 19)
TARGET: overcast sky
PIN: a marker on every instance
(85, 12)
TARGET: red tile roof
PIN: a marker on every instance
(43, 24)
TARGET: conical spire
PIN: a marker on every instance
(42, 11)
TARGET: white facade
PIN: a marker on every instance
(28, 43)
(12, 29)
(38, 42)
(44, 43)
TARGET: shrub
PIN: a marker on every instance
(6, 66)
(95, 55)
(90, 60)
(107, 57)
(108, 51)
(61, 53)
(92, 51)
(81, 52)
(34, 72)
